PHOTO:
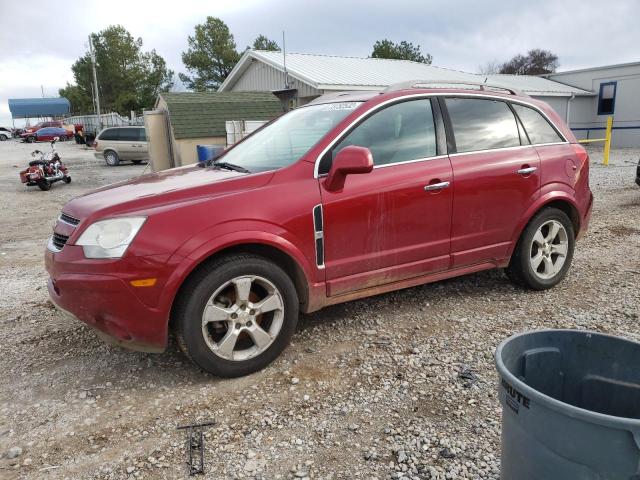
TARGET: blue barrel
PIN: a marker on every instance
(208, 152)
(570, 406)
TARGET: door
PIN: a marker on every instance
(129, 144)
(394, 222)
(143, 145)
(497, 177)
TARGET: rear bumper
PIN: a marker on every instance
(584, 224)
(106, 301)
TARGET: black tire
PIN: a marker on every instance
(62, 138)
(3, 138)
(67, 179)
(520, 271)
(189, 308)
(31, 139)
(136, 162)
(111, 158)
(44, 185)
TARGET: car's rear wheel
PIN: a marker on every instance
(544, 251)
(111, 158)
(236, 315)
(31, 139)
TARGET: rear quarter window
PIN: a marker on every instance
(537, 127)
(481, 124)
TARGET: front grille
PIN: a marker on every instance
(59, 240)
(69, 219)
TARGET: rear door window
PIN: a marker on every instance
(538, 128)
(399, 133)
(482, 124)
(142, 135)
(129, 134)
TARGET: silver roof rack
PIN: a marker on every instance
(451, 84)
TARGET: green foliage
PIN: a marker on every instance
(535, 62)
(210, 57)
(400, 51)
(263, 43)
(128, 78)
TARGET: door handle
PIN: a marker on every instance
(527, 171)
(436, 186)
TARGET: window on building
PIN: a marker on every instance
(537, 127)
(480, 124)
(399, 133)
(607, 98)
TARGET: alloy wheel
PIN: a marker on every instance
(243, 318)
(549, 249)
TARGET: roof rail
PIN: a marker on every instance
(450, 84)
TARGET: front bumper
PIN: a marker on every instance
(100, 295)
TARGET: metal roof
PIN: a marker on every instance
(591, 69)
(203, 114)
(38, 107)
(329, 72)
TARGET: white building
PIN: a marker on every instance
(571, 94)
(616, 92)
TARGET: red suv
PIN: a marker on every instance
(349, 196)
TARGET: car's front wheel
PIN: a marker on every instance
(544, 251)
(236, 315)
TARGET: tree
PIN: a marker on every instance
(400, 51)
(535, 62)
(128, 78)
(210, 57)
(263, 43)
(489, 68)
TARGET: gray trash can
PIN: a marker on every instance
(570, 406)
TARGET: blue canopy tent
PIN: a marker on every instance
(38, 107)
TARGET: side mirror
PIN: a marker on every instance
(350, 160)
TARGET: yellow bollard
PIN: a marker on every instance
(607, 140)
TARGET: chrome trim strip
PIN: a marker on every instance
(51, 247)
(472, 152)
(318, 234)
(438, 94)
(74, 225)
(425, 159)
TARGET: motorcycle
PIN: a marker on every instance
(45, 170)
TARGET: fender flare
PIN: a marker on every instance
(187, 263)
(540, 203)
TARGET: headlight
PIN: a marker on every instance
(110, 238)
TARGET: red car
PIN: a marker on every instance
(47, 134)
(343, 198)
(38, 126)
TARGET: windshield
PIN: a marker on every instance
(288, 138)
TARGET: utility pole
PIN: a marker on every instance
(95, 85)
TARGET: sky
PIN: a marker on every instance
(37, 49)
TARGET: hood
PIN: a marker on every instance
(177, 185)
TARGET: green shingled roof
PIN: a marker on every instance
(204, 114)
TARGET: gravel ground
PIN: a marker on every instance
(397, 386)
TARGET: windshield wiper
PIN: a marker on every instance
(230, 166)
